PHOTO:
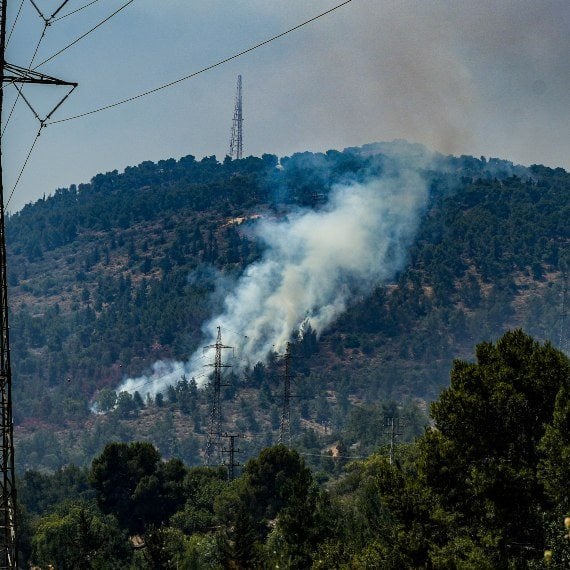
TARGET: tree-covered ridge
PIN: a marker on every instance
(483, 487)
(134, 278)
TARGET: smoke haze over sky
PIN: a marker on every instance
(487, 77)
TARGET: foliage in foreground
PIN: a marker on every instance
(484, 487)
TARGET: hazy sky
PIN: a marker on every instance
(484, 78)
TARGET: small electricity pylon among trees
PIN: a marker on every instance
(563, 340)
(231, 463)
(213, 450)
(285, 423)
(394, 428)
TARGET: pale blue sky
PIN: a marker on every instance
(484, 78)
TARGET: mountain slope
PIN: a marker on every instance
(108, 277)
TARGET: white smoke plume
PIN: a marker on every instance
(314, 264)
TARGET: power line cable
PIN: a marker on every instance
(339, 456)
(19, 92)
(152, 380)
(24, 165)
(203, 70)
(75, 11)
(75, 41)
(233, 332)
(61, 7)
(15, 22)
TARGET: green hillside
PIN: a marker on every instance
(107, 277)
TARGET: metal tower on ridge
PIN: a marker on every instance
(16, 76)
(214, 445)
(236, 141)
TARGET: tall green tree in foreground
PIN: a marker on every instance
(482, 460)
(486, 486)
(133, 484)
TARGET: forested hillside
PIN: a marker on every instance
(484, 488)
(109, 276)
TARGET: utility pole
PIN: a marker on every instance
(231, 464)
(285, 423)
(393, 428)
(16, 76)
(236, 141)
(214, 445)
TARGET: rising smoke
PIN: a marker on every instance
(315, 263)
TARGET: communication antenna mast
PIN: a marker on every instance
(16, 76)
(214, 445)
(236, 141)
(285, 424)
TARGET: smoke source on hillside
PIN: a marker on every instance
(314, 264)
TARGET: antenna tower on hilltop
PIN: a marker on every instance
(236, 141)
(16, 76)
(214, 445)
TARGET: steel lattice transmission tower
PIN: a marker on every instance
(236, 141)
(563, 340)
(16, 76)
(394, 428)
(285, 424)
(214, 445)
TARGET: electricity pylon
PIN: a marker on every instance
(232, 464)
(214, 444)
(563, 340)
(16, 76)
(285, 423)
(236, 141)
(394, 429)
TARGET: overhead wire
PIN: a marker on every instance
(339, 456)
(200, 71)
(61, 7)
(19, 92)
(151, 380)
(75, 11)
(233, 332)
(82, 36)
(24, 165)
(47, 23)
(15, 22)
